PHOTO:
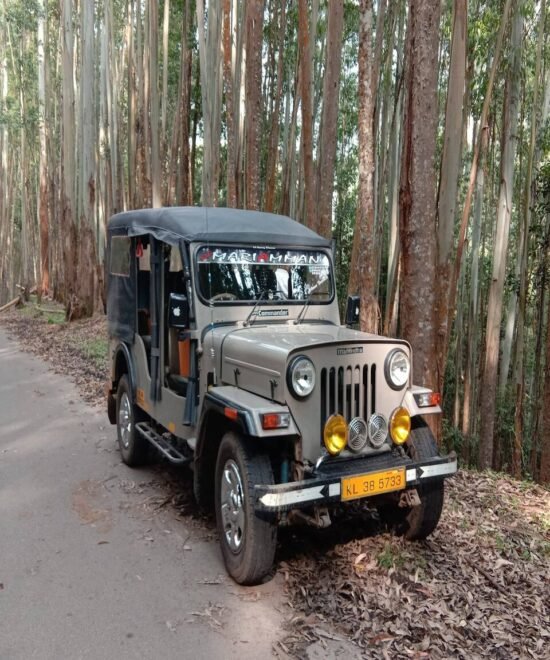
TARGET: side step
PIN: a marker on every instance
(163, 445)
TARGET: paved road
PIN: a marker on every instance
(88, 567)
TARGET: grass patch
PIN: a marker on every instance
(391, 557)
(95, 350)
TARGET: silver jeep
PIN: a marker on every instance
(227, 353)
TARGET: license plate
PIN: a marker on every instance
(374, 483)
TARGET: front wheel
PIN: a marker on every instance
(418, 522)
(247, 541)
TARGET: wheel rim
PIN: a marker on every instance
(125, 420)
(232, 505)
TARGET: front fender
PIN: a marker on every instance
(246, 409)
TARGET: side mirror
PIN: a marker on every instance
(353, 309)
(178, 312)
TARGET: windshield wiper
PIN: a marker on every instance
(302, 313)
(258, 299)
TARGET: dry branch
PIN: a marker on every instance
(11, 303)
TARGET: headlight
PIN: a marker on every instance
(301, 377)
(397, 369)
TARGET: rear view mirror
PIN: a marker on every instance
(353, 309)
(178, 313)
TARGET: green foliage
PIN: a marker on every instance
(95, 350)
(391, 556)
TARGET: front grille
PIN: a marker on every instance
(349, 391)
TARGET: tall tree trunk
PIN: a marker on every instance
(306, 73)
(394, 250)
(42, 128)
(504, 210)
(470, 378)
(254, 33)
(329, 118)
(87, 300)
(450, 170)
(229, 105)
(544, 473)
(164, 98)
(417, 194)
(68, 155)
(156, 191)
(210, 56)
(362, 270)
(273, 151)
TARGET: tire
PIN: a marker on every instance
(247, 541)
(134, 448)
(418, 522)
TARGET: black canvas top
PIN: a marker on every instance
(195, 223)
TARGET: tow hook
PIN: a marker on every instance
(320, 519)
(409, 498)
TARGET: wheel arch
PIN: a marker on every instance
(122, 364)
(213, 426)
(216, 419)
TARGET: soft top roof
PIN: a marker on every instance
(194, 223)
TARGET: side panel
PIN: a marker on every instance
(169, 410)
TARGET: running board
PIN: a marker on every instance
(163, 445)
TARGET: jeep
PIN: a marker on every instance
(228, 355)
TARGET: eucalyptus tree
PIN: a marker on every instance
(417, 194)
(504, 210)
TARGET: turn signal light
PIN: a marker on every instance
(275, 421)
(400, 425)
(335, 434)
(427, 399)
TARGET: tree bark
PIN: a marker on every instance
(273, 151)
(417, 194)
(210, 55)
(329, 118)
(253, 85)
(450, 171)
(43, 166)
(306, 73)
(362, 271)
(156, 189)
(229, 105)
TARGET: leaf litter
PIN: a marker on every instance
(479, 587)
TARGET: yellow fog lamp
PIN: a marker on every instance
(400, 425)
(335, 434)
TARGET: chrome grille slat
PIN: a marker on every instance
(345, 391)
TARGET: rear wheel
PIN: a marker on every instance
(417, 522)
(247, 541)
(134, 448)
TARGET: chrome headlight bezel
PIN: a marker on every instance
(297, 365)
(393, 357)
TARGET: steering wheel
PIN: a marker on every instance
(224, 296)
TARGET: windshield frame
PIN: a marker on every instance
(276, 301)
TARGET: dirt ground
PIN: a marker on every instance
(478, 588)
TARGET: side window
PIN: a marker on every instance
(120, 256)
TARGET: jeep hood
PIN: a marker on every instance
(255, 358)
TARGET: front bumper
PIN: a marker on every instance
(326, 486)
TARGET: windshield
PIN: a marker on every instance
(228, 274)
